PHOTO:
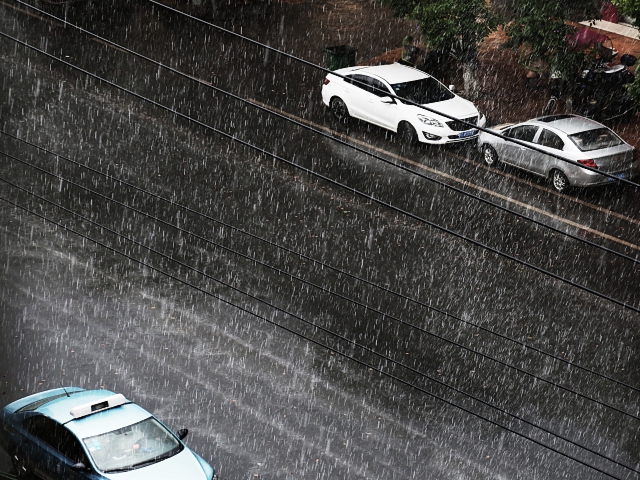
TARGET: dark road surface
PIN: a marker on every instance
(362, 322)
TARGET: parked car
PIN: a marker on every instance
(366, 92)
(571, 137)
(71, 433)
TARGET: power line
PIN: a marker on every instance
(404, 100)
(319, 287)
(345, 187)
(352, 146)
(311, 259)
(309, 339)
(537, 268)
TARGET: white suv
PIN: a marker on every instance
(365, 93)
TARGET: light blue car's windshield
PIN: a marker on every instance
(132, 447)
(425, 90)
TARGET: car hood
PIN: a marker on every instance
(182, 465)
(456, 107)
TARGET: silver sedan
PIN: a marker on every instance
(571, 137)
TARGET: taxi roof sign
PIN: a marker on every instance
(99, 405)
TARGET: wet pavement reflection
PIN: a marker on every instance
(306, 309)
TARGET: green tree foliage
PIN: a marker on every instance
(631, 8)
(540, 33)
(452, 27)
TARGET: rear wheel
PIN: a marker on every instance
(339, 109)
(559, 181)
(407, 134)
(490, 155)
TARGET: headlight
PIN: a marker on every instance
(429, 121)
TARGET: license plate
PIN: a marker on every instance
(468, 133)
(617, 175)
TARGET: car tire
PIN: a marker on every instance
(490, 155)
(20, 465)
(340, 110)
(559, 181)
(407, 134)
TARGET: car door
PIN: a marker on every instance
(51, 451)
(383, 113)
(359, 96)
(514, 153)
(550, 142)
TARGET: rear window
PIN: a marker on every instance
(595, 139)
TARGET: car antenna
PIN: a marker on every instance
(65, 390)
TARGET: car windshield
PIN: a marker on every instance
(133, 446)
(595, 139)
(426, 90)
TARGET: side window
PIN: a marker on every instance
(57, 437)
(360, 81)
(549, 139)
(379, 88)
(524, 133)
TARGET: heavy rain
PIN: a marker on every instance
(185, 222)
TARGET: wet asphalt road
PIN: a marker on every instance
(298, 329)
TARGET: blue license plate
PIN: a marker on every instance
(468, 133)
(618, 175)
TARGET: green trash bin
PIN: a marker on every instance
(340, 56)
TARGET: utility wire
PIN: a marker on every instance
(349, 145)
(404, 100)
(537, 268)
(331, 332)
(341, 185)
(362, 347)
(315, 261)
(319, 287)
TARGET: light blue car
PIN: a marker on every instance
(70, 433)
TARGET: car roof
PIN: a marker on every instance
(65, 409)
(568, 124)
(59, 408)
(392, 73)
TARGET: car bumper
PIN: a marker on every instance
(586, 178)
(441, 136)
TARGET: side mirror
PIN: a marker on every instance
(78, 466)
(452, 88)
(387, 100)
(183, 432)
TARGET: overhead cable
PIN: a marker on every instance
(404, 100)
(318, 262)
(319, 287)
(309, 339)
(347, 144)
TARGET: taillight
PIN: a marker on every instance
(326, 81)
(588, 163)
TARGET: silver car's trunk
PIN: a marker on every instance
(613, 159)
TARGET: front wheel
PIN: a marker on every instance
(339, 109)
(490, 155)
(20, 465)
(407, 134)
(559, 181)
